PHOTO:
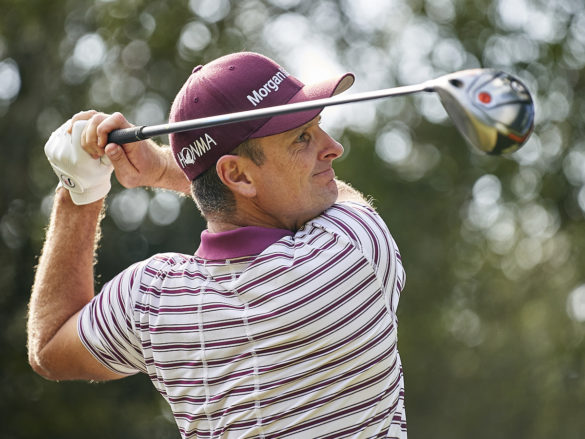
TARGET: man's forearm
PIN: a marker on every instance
(64, 280)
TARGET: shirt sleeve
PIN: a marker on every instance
(106, 324)
(364, 227)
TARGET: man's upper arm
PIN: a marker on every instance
(66, 358)
(361, 225)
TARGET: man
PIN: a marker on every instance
(283, 323)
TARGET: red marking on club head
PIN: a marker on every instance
(516, 138)
(484, 97)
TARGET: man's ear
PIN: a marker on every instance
(233, 171)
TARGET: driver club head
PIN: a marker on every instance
(492, 109)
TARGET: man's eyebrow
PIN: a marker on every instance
(291, 134)
(312, 122)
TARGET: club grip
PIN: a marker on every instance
(126, 135)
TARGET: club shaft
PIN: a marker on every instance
(134, 134)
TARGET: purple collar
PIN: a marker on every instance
(244, 241)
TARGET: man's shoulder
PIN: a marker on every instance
(351, 219)
(354, 206)
(161, 263)
(170, 258)
(350, 211)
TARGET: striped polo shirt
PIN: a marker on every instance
(265, 333)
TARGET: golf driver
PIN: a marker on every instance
(493, 110)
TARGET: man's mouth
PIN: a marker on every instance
(329, 172)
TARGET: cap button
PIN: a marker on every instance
(232, 67)
(196, 100)
(196, 69)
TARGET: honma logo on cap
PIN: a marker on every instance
(189, 154)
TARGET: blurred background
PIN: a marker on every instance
(492, 320)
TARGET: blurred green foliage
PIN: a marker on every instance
(492, 321)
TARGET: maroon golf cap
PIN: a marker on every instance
(239, 82)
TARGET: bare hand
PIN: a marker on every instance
(135, 164)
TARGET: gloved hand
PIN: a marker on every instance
(86, 178)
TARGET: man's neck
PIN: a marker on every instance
(220, 226)
(246, 215)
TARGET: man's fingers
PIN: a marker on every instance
(113, 122)
(125, 171)
(91, 141)
(115, 153)
(82, 115)
(94, 141)
(92, 136)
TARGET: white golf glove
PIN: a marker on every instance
(86, 178)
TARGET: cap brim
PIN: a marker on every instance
(325, 89)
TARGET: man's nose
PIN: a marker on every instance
(330, 148)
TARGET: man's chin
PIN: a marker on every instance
(326, 205)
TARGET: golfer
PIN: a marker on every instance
(283, 322)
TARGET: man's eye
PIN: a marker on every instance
(303, 137)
